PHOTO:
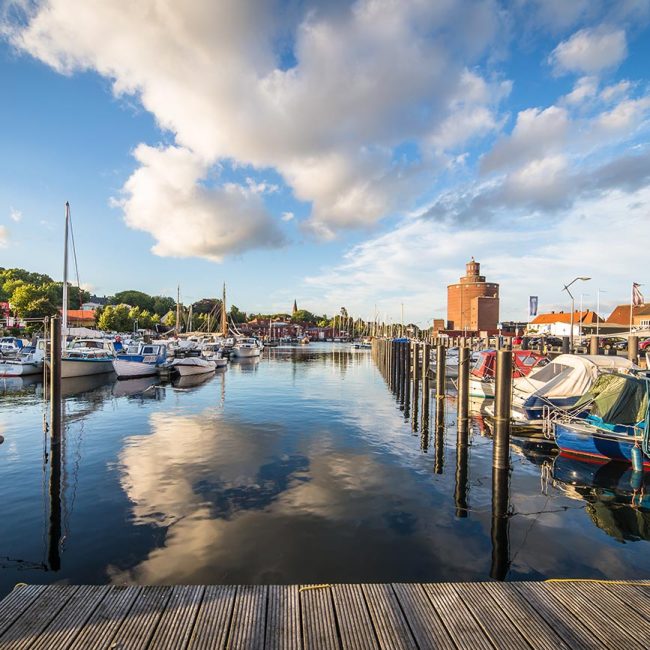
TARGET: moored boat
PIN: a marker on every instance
(28, 362)
(482, 372)
(246, 348)
(193, 366)
(141, 360)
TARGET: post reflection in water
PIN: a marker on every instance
(462, 455)
(424, 428)
(500, 524)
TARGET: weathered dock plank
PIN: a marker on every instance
(319, 628)
(491, 615)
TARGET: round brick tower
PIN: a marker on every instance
(473, 303)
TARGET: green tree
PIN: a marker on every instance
(169, 319)
(163, 304)
(236, 315)
(32, 301)
(303, 316)
(134, 299)
(115, 318)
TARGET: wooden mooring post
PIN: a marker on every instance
(502, 406)
(464, 357)
(633, 348)
(416, 385)
(424, 428)
(54, 558)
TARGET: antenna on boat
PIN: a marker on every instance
(178, 309)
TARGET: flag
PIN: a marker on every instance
(637, 296)
(532, 301)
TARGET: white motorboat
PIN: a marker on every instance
(10, 347)
(193, 366)
(28, 362)
(247, 348)
(140, 360)
(85, 357)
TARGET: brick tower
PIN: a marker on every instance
(473, 303)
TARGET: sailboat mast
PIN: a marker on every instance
(224, 321)
(64, 323)
(178, 309)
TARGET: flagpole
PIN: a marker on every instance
(631, 306)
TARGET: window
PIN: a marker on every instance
(549, 372)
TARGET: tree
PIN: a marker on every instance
(237, 316)
(115, 318)
(134, 299)
(303, 316)
(163, 304)
(206, 306)
(31, 301)
(76, 296)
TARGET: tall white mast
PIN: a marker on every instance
(64, 324)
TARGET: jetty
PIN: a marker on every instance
(551, 614)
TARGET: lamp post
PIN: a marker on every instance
(581, 316)
(598, 292)
(566, 288)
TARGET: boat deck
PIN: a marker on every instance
(442, 615)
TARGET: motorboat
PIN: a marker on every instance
(246, 348)
(482, 372)
(84, 357)
(140, 360)
(193, 366)
(10, 346)
(561, 383)
(29, 362)
(610, 422)
(212, 352)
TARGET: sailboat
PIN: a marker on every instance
(85, 357)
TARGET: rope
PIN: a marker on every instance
(309, 587)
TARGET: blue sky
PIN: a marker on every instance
(342, 153)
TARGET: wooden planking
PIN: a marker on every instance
(213, 620)
(623, 611)
(106, 619)
(425, 624)
(36, 618)
(355, 624)
(177, 620)
(248, 618)
(461, 625)
(596, 618)
(556, 615)
(499, 628)
(631, 596)
(71, 619)
(17, 602)
(536, 630)
(283, 618)
(138, 627)
(318, 619)
(390, 625)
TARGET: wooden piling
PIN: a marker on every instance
(593, 344)
(502, 406)
(463, 385)
(633, 348)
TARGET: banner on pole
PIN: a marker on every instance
(533, 306)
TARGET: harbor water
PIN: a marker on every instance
(299, 467)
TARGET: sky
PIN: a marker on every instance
(338, 153)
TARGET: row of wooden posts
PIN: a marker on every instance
(406, 367)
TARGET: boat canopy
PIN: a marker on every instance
(617, 399)
(568, 375)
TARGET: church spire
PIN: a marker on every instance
(295, 307)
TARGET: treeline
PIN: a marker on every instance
(36, 295)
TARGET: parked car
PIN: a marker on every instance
(645, 345)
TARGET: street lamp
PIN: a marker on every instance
(566, 288)
(598, 309)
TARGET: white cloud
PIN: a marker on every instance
(288, 216)
(368, 78)
(414, 262)
(15, 215)
(590, 51)
(585, 88)
(165, 198)
(4, 237)
(615, 91)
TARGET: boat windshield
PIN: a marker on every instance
(550, 371)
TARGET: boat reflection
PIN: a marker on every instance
(618, 499)
(21, 385)
(142, 387)
(192, 381)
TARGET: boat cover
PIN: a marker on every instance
(617, 399)
(568, 375)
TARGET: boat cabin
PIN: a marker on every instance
(523, 363)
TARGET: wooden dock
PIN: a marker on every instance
(390, 616)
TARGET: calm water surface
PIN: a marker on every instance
(299, 467)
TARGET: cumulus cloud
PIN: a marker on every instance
(165, 197)
(585, 88)
(4, 237)
(15, 215)
(590, 51)
(414, 262)
(329, 110)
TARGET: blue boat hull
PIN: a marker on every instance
(533, 407)
(586, 440)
